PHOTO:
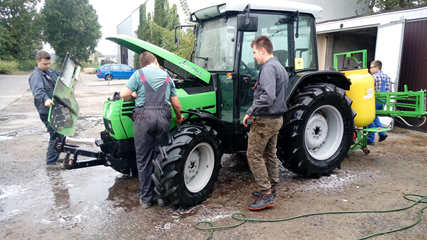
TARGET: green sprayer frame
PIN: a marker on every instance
(395, 104)
(350, 55)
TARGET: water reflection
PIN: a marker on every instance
(59, 189)
(124, 192)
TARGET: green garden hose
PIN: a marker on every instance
(243, 218)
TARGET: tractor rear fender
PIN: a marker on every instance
(300, 80)
(205, 117)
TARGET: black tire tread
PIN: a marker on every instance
(291, 150)
(168, 166)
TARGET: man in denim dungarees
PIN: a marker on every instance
(154, 93)
(382, 84)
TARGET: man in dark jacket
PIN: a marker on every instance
(268, 107)
(42, 83)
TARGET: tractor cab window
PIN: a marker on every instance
(216, 45)
(270, 26)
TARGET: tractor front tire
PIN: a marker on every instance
(318, 131)
(186, 170)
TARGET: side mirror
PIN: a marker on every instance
(246, 80)
(247, 23)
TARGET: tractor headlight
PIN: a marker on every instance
(109, 110)
(104, 108)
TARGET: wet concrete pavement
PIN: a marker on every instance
(100, 203)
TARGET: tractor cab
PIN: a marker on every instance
(223, 46)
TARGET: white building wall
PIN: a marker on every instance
(334, 9)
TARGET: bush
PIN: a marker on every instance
(8, 67)
(27, 65)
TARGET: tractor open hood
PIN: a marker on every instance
(64, 113)
(172, 62)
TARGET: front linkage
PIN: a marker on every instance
(101, 158)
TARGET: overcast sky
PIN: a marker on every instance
(111, 13)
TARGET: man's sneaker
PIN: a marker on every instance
(255, 194)
(56, 166)
(144, 205)
(371, 143)
(383, 137)
(263, 201)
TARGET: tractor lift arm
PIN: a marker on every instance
(100, 157)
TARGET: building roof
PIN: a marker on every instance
(372, 19)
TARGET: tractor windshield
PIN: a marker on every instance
(216, 42)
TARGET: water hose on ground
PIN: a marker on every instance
(243, 218)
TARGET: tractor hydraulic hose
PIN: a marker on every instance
(243, 218)
(410, 125)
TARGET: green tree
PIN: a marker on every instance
(143, 31)
(20, 29)
(185, 9)
(172, 18)
(384, 5)
(152, 31)
(71, 26)
(159, 13)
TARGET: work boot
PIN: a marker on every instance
(383, 137)
(263, 201)
(255, 194)
(144, 205)
(161, 202)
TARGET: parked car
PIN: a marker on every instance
(117, 71)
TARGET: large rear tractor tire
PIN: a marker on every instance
(186, 170)
(318, 131)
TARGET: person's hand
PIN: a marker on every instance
(134, 95)
(245, 120)
(48, 103)
(179, 120)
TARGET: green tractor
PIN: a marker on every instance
(215, 91)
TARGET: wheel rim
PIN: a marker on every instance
(109, 77)
(199, 167)
(323, 132)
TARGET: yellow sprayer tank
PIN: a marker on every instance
(362, 92)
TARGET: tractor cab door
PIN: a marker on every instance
(269, 26)
(63, 114)
(278, 31)
(390, 36)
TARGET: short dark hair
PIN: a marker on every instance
(377, 63)
(42, 55)
(146, 58)
(263, 42)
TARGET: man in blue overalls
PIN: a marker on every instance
(42, 83)
(154, 92)
(382, 84)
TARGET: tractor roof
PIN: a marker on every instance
(266, 5)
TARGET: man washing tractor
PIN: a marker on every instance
(153, 93)
(268, 107)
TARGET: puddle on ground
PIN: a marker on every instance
(84, 123)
